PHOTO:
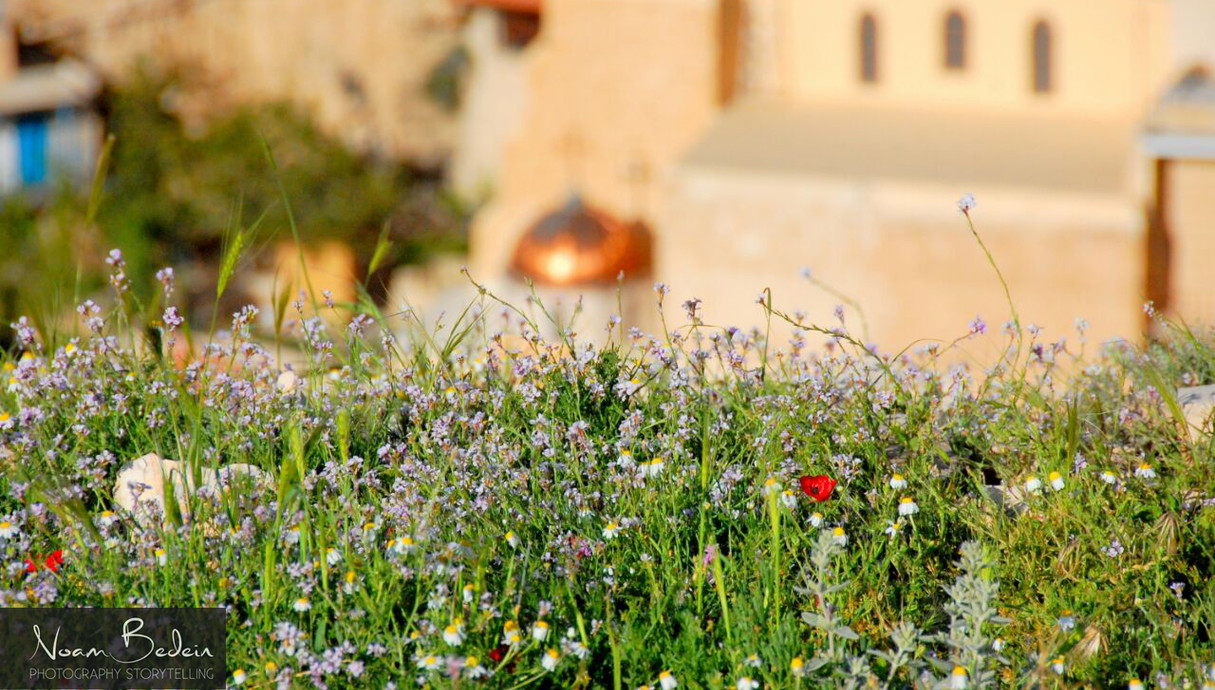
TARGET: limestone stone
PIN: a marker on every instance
(1197, 403)
(288, 381)
(140, 487)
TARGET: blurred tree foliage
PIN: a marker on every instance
(170, 196)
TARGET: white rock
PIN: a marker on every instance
(1197, 403)
(140, 487)
(287, 381)
(1010, 498)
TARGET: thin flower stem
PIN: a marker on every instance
(1004, 284)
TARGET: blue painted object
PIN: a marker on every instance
(32, 148)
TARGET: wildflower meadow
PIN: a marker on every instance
(495, 502)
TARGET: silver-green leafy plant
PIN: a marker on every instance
(906, 638)
(972, 617)
(820, 588)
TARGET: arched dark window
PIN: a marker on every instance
(869, 66)
(955, 41)
(1043, 56)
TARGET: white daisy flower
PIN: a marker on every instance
(473, 667)
(1056, 481)
(1145, 471)
(907, 506)
(429, 662)
(511, 635)
(8, 530)
(512, 539)
(958, 679)
(1033, 484)
(1134, 684)
(539, 631)
(816, 519)
(666, 681)
(841, 537)
(401, 545)
(302, 604)
(550, 659)
(333, 556)
(652, 468)
(788, 498)
(453, 635)
(612, 529)
(797, 667)
(898, 482)
(467, 593)
(1108, 477)
(238, 677)
(579, 650)
(746, 683)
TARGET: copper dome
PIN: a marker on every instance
(580, 244)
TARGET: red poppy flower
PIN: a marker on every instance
(53, 562)
(818, 487)
(497, 653)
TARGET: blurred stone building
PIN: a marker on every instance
(757, 137)
(49, 125)
(362, 68)
(721, 146)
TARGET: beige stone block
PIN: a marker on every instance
(1197, 403)
(140, 487)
